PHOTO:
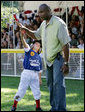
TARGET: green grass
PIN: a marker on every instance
(9, 85)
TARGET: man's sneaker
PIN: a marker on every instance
(39, 109)
(13, 109)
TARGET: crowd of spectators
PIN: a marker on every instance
(75, 28)
(8, 33)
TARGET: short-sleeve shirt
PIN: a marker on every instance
(54, 36)
(32, 60)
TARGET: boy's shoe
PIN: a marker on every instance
(13, 109)
(39, 109)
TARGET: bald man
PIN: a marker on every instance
(55, 38)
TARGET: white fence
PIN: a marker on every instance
(12, 65)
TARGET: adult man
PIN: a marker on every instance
(55, 39)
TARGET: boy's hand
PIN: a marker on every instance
(20, 25)
(22, 32)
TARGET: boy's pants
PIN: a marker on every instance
(30, 79)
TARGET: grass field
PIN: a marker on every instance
(9, 85)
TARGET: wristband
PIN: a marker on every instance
(66, 63)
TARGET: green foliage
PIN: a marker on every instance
(9, 87)
(7, 15)
(9, 3)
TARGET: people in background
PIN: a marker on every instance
(74, 41)
(75, 26)
(81, 43)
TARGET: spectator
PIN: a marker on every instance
(2, 45)
(73, 46)
(5, 44)
(26, 20)
(17, 38)
(81, 16)
(15, 25)
(11, 31)
(8, 27)
(35, 26)
(37, 21)
(81, 43)
(75, 25)
(82, 27)
(5, 37)
(74, 41)
(21, 18)
(3, 31)
(11, 45)
(19, 46)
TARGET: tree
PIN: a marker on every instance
(7, 14)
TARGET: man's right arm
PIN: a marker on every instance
(29, 32)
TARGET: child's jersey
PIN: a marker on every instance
(32, 60)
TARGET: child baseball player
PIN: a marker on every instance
(31, 75)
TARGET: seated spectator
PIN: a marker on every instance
(26, 20)
(8, 27)
(74, 30)
(11, 46)
(2, 45)
(17, 38)
(73, 46)
(11, 31)
(35, 26)
(10, 43)
(74, 41)
(5, 44)
(4, 31)
(81, 16)
(19, 46)
(15, 25)
(37, 21)
(79, 34)
(5, 37)
(21, 18)
(82, 27)
(81, 43)
(70, 32)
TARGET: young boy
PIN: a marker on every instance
(31, 75)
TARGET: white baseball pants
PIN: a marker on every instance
(30, 79)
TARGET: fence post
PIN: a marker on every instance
(80, 64)
(15, 64)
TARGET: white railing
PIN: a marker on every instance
(12, 64)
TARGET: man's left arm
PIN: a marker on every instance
(40, 72)
(66, 52)
(64, 39)
(65, 67)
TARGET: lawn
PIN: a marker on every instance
(9, 85)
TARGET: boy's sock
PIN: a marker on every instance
(37, 103)
(15, 103)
